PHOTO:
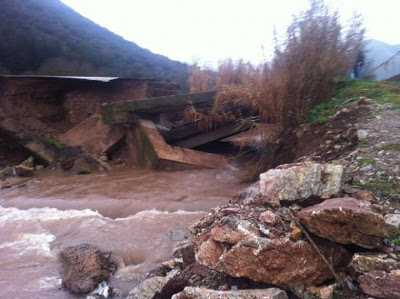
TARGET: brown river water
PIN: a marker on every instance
(137, 214)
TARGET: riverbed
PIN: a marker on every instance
(136, 214)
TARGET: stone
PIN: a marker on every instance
(185, 251)
(380, 284)
(300, 181)
(269, 217)
(5, 172)
(351, 190)
(295, 231)
(367, 168)
(368, 261)
(83, 267)
(313, 292)
(83, 166)
(24, 171)
(239, 245)
(392, 222)
(202, 293)
(365, 195)
(362, 134)
(103, 158)
(345, 221)
(148, 289)
(28, 162)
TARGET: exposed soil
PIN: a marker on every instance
(364, 137)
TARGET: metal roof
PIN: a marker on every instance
(98, 79)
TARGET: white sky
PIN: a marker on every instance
(209, 30)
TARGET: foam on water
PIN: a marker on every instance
(31, 242)
(50, 282)
(155, 212)
(42, 214)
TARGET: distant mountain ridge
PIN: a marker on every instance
(378, 52)
(47, 37)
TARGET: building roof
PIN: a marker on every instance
(98, 79)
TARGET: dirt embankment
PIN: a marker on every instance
(38, 110)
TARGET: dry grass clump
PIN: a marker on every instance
(316, 49)
(201, 79)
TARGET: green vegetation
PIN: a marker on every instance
(320, 113)
(54, 142)
(381, 92)
(366, 161)
(391, 147)
(383, 188)
(49, 38)
(395, 239)
(361, 143)
(349, 90)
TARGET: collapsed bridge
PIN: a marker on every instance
(160, 137)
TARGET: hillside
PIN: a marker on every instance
(47, 37)
(377, 53)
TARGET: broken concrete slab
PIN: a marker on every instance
(119, 112)
(38, 147)
(148, 148)
(206, 137)
(94, 136)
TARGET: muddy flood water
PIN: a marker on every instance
(137, 214)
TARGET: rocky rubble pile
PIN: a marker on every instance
(293, 230)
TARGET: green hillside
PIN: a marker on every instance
(47, 37)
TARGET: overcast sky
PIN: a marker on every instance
(209, 30)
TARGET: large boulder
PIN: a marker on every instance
(241, 243)
(345, 221)
(380, 284)
(83, 267)
(294, 182)
(201, 293)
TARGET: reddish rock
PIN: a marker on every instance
(201, 293)
(379, 284)
(185, 251)
(240, 246)
(269, 217)
(280, 262)
(346, 221)
(83, 267)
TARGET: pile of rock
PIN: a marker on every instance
(20, 173)
(287, 232)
